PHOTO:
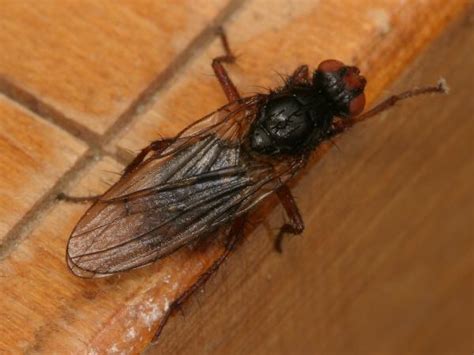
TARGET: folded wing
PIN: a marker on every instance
(198, 184)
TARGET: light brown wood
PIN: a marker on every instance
(381, 37)
(91, 59)
(33, 155)
(385, 264)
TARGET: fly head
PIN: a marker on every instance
(342, 85)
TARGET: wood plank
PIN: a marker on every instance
(379, 36)
(91, 59)
(33, 155)
(385, 264)
(361, 256)
(44, 312)
(50, 310)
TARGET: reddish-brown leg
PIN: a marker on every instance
(296, 224)
(299, 76)
(77, 199)
(226, 83)
(156, 146)
(342, 125)
(235, 234)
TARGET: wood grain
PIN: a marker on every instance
(305, 32)
(91, 59)
(67, 314)
(33, 155)
(385, 265)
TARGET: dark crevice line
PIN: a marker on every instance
(41, 207)
(48, 112)
(98, 143)
(146, 98)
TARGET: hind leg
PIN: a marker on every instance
(235, 234)
(296, 224)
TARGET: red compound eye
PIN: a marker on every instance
(343, 84)
(356, 105)
(352, 79)
(355, 83)
(330, 65)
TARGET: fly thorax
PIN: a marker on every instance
(285, 124)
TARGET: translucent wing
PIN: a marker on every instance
(199, 183)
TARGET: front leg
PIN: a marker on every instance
(296, 224)
(224, 80)
(343, 124)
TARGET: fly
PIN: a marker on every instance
(219, 168)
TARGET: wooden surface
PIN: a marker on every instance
(386, 262)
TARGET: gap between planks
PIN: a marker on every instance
(97, 144)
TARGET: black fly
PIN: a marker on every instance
(218, 168)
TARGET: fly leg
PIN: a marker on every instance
(156, 147)
(77, 199)
(342, 125)
(296, 224)
(224, 80)
(235, 234)
(299, 76)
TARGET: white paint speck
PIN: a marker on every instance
(150, 313)
(166, 279)
(131, 334)
(381, 20)
(113, 349)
